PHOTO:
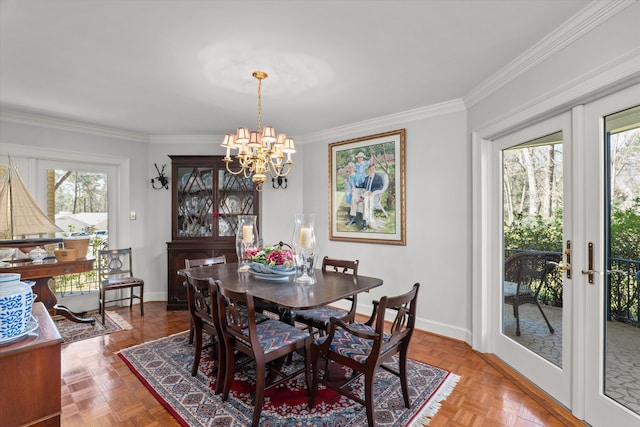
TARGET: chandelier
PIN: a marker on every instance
(259, 151)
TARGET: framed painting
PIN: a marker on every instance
(367, 189)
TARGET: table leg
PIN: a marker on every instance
(48, 298)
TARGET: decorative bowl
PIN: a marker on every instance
(278, 270)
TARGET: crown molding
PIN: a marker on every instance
(185, 139)
(68, 125)
(621, 72)
(390, 121)
(575, 27)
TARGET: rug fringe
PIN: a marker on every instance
(119, 320)
(423, 417)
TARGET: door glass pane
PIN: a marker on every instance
(622, 327)
(532, 234)
(80, 201)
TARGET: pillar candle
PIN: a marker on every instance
(247, 234)
(305, 238)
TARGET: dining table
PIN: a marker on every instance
(284, 292)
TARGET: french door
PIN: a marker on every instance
(611, 280)
(569, 187)
(531, 177)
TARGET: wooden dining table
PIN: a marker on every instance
(329, 287)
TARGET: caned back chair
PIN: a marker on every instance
(365, 347)
(115, 273)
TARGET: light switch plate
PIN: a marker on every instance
(132, 215)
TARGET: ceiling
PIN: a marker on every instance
(183, 67)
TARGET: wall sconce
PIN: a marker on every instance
(161, 178)
(279, 182)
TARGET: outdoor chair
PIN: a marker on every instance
(115, 273)
(364, 347)
(525, 274)
(201, 262)
(267, 343)
(318, 318)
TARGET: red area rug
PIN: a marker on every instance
(164, 366)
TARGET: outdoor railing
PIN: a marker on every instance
(81, 283)
(624, 290)
(622, 283)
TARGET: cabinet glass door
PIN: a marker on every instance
(235, 197)
(195, 202)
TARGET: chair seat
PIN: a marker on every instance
(126, 282)
(351, 346)
(274, 334)
(511, 288)
(321, 314)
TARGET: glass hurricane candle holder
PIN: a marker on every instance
(305, 247)
(246, 238)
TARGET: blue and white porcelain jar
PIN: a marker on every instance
(16, 303)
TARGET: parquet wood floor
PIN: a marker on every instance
(99, 390)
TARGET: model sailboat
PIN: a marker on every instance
(20, 215)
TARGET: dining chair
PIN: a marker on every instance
(204, 314)
(267, 343)
(115, 273)
(200, 262)
(525, 275)
(318, 318)
(364, 347)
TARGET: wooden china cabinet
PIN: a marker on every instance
(205, 203)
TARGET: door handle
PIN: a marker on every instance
(567, 266)
(590, 271)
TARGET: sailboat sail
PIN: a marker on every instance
(20, 214)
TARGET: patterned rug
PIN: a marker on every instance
(72, 331)
(164, 366)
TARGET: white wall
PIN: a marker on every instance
(437, 219)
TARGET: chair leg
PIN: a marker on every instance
(198, 350)
(545, 317)
(103, 308)
(259, 394)
(313, 391)
(368, 398)
(141, 300)
(229, 372)
(517, 316)
(220, 373)
(403, 376)
(191, 330)
(307, 368)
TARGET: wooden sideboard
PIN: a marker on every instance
(30, 379)
(42, 273)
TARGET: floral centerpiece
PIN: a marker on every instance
(271, 259)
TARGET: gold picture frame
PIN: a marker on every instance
(368, 209)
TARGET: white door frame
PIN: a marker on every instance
(599, 409)
(613, 80)
(553, 379)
